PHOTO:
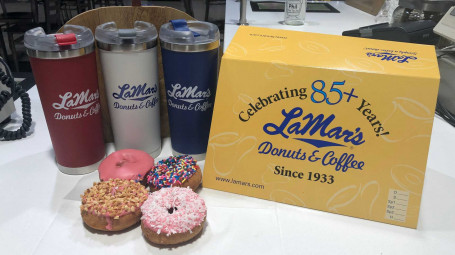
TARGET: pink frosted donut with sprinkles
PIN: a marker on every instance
(172, 216)
(179, 171)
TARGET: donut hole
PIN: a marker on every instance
(171, 210)
(120, 163)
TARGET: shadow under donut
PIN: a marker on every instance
(174, 246)
(111, 233)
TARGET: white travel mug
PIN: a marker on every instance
(130, 70)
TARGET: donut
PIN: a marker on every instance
(113, 205)
(172, 216)
(179, 171)
(127, 164)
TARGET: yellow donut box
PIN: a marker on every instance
(326, 122)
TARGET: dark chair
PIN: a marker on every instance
(13, 17)
(9, 20)
(103, 3)
(208, 3)
(15, 24)
(71, 8)
(188, 5)
(52, 15)
(113, 2)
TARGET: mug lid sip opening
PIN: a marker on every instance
(195, 36)
(74, 41)
(142, 36)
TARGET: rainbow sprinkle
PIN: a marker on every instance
(172, 171)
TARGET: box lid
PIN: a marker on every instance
(333, 52)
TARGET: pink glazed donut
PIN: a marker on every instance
(127, 164)
(172, 215)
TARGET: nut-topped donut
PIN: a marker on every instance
(172, 215)
(113, 205)
(179, 171)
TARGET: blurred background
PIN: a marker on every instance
(18, 16)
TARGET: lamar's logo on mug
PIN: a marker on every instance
(135, 97)
(193, 99)
(137, 93)
(82, 100)
(188, 94)
(85, 104)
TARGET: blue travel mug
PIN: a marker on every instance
(190, 64)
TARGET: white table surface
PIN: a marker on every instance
(40, 211)
(327, 23)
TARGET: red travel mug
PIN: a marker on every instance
(64, 67)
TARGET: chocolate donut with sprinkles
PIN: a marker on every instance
(173, 216)
(179, 171)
